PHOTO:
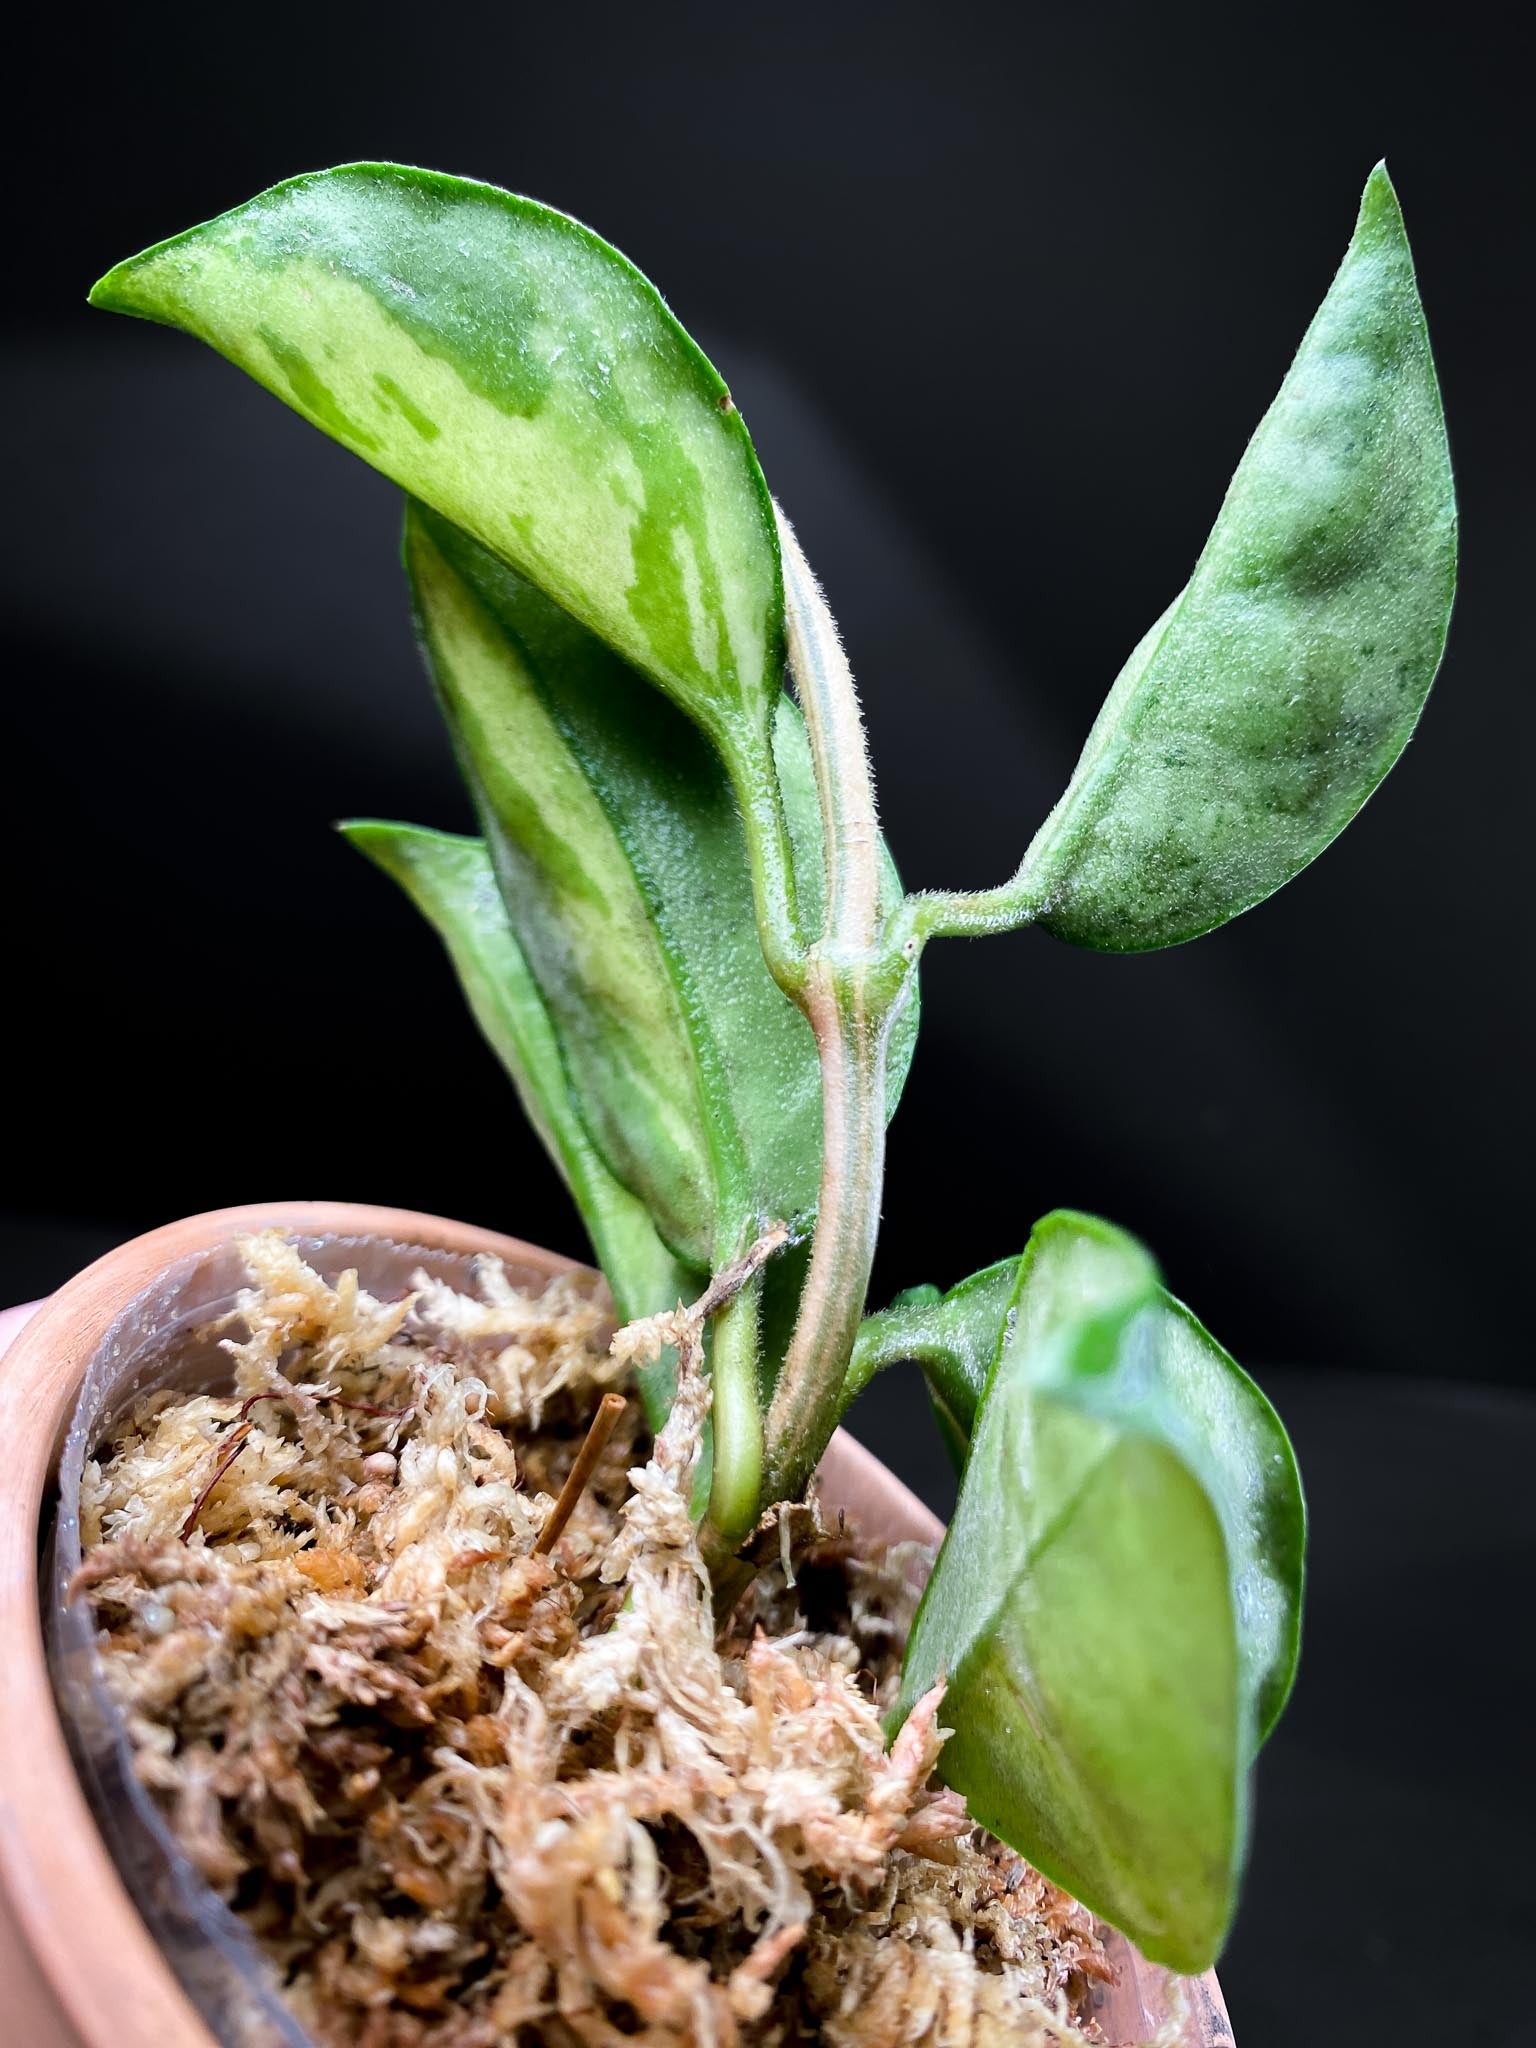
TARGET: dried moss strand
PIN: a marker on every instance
(335, 1400)
(730, 1280)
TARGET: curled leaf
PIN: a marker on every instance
(1117, 1602)
(955, 1337)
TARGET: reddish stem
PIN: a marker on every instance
(234, 1444)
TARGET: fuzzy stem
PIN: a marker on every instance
(849, 1023)
(807, 1399)
(975, 913)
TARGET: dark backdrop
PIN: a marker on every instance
(1001, 291)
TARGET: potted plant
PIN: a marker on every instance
(682, 933)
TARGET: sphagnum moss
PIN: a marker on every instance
(466, 1793)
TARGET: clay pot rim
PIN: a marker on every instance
(95, 1956)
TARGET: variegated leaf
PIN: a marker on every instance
(451, 882)
(513, 371)
(622, 865)
(1263, 708)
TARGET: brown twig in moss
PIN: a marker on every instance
(609, 1409)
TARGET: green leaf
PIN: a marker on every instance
(568, 882)
(450, 881)
(1221, 1418)
(1262, 709)
(1117, 1602)
(1231, 1435)
(954, 1337)
(622, 865)
(512, 370)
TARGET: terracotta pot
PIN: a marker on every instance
(78, 1967)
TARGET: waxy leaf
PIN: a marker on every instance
(622, 867)
(1214, 1408)
(1262, 709)
(1209, 1403)
(955, 1337)
(450, 880)
(1117, 1602)
(559, 861)
(512, 370)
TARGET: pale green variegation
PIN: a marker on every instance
(624, 874)
(1264, 707)
(510, 369)
(630, 1034)
(1117, 1600)
(684, 937)
(451, 882)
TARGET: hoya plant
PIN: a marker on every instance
(682, 933)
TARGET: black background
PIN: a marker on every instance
(1001, 292)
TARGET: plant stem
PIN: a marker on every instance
(738, 1474)
(974, 913)
(806, 1402)
(849, 1019)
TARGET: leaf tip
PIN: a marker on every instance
(383, 843)
(1380, 209)
(112, 292)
